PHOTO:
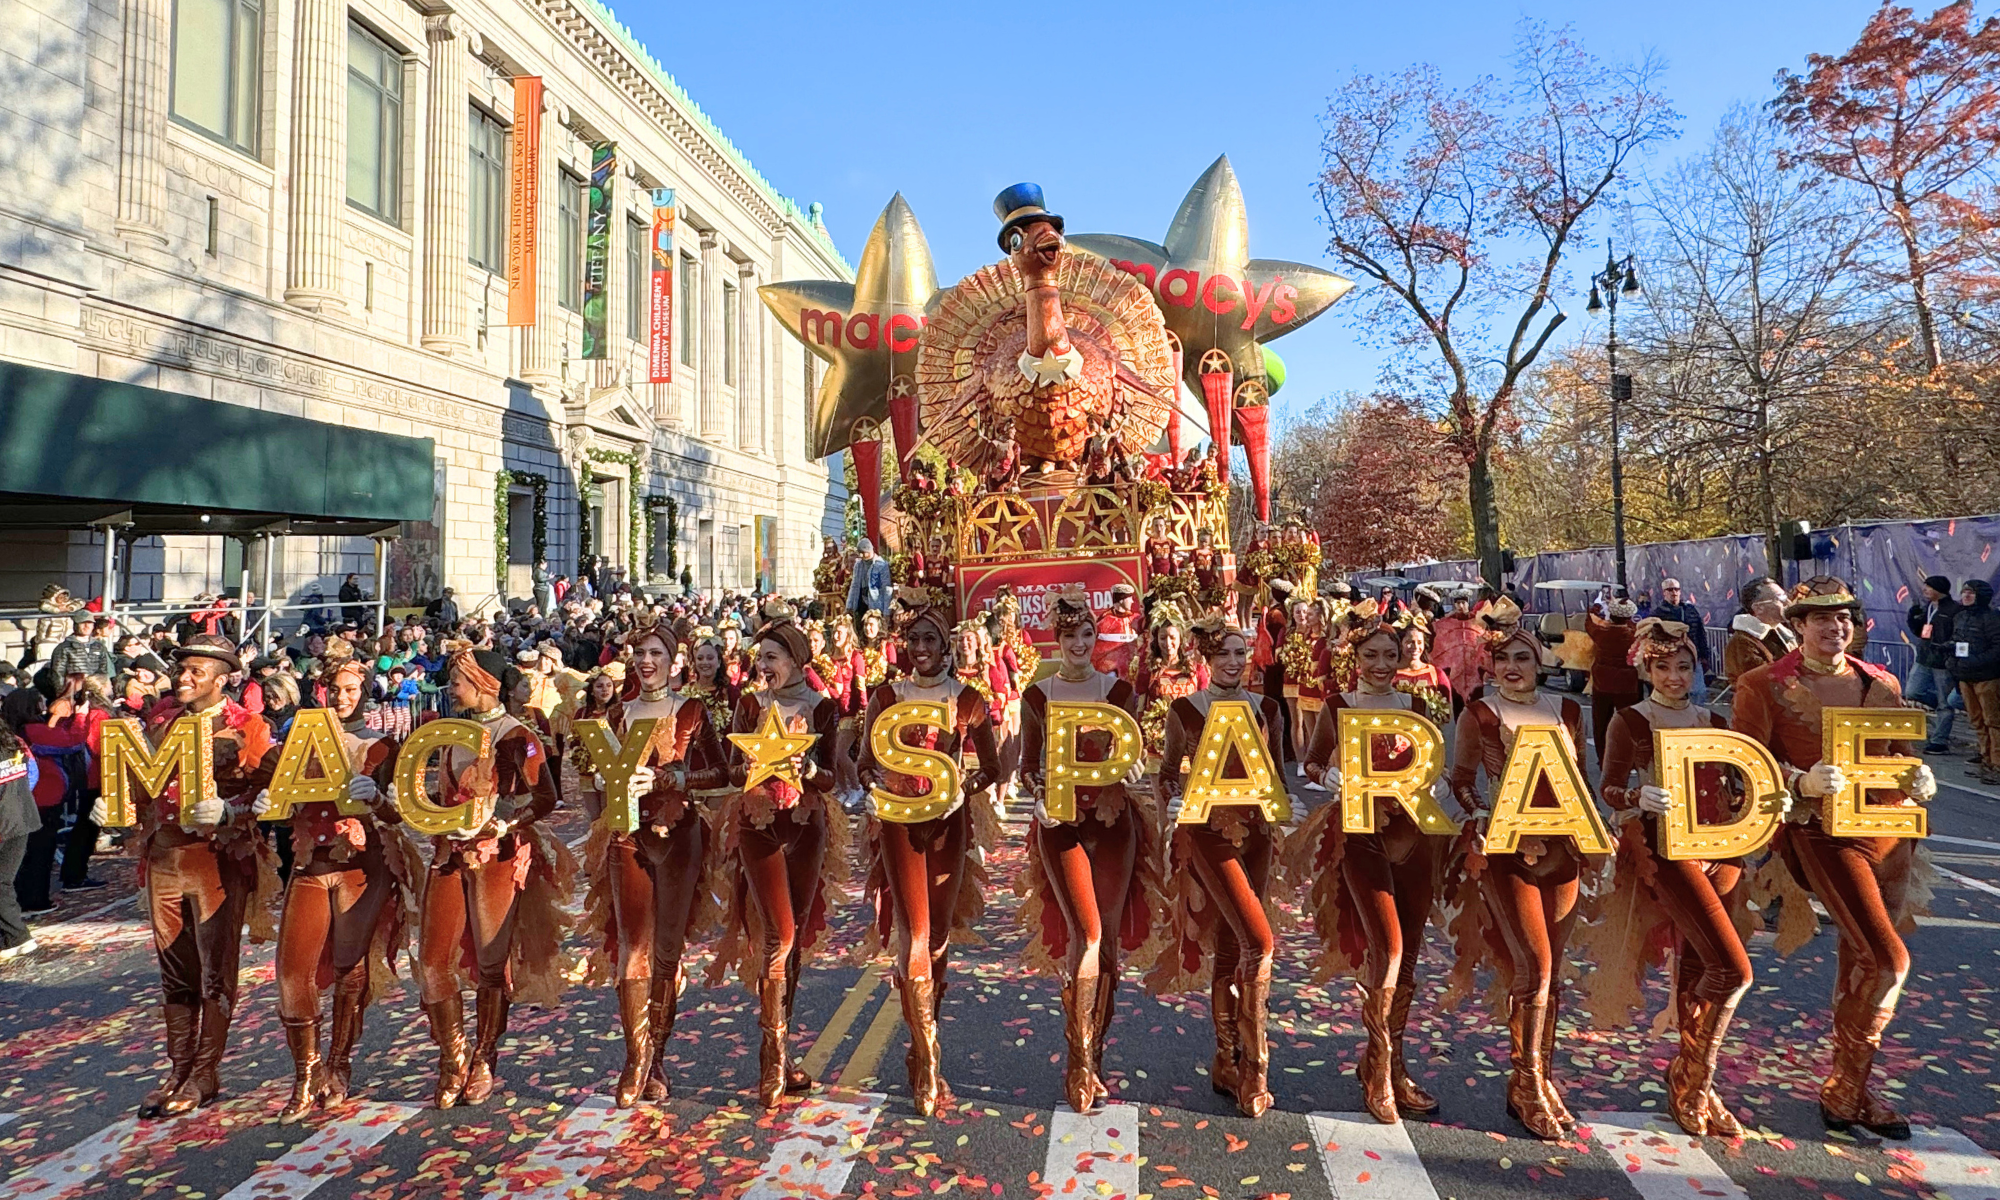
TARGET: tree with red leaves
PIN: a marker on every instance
(1432, 194)
(1910, 114)
(1384, 502)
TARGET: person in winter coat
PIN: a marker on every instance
(1930, 682)
(1975, 667)
(60, 754)
(1673, 608)
(19, 818)
(81, 653)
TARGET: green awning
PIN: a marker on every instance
(68, 438)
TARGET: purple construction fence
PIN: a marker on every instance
(1884, 561)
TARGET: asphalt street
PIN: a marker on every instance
(80, 1044)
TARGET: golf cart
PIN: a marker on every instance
(1564, 627)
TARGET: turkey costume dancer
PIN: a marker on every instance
(1219, 875)
(1091, 886)
(203, 877)
(1530, 896)
(492, 903)
(1867, 884)
(785, 846)
(648, 888)
(1701, 901)
(926, 883)
(1371, 894)
(350, 903)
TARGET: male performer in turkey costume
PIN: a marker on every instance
(202, 872)
(496, 888)
(648, 888)
(924, 878)
(1863, 882)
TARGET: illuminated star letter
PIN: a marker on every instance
(1232, 726)
(771, 749)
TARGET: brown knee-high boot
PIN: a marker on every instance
(182, 1020)
(303, 1038)
(771, 1054)
(1410, 1096)
(204, 1081)
(1107, 1004)
(447, 1019)
(1550, 1086)
(1527, 1090)
(796, 1079)
(1222, 1010)
(350, 1001)
(635, 998)
(921, 1019)
(664, 1007)
(491, 1017)
(1253, 1064)
(1080, 1026)
(1845, 1100)
(1375, 1069)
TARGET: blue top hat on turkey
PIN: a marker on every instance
(1019, 205)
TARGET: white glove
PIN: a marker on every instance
(1824, 779)
(1332, 780)
(100, 812)
(362, 790)
(642, 782)
(597, 781)
(1654, 799)
(206, 812)
(261, 805)
(1922, 784)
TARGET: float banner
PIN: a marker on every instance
(660, 318)
(1037, 584)
(524, 200)
(597, 250)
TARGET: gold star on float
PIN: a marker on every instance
(866, 329)
(1213, 295)
(771, 749)
(999, 524)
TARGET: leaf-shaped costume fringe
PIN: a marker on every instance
(1142, 929)
(598, 929)
(1309, 868)
(261, 914)
(742, 943)
(540, 967)
(394, 932)
(1192, 918)
(1476, 939)
(1632, 934)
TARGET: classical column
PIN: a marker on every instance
(542, 362)
(447, 307)
(142, 125)
(319, 158)
(750, 374)
(713, 419)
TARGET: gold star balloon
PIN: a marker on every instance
(1214, 296)
(867, 330)
(771, 749)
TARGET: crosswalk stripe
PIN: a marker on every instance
(1967, 881)
(63, 1173)
(7, 1118)
(300, 1171)
(1950, 1162)
(817, 1152)
(563, 1162)
(1364, 1158)
(1662, 1162)
(1094, 1154)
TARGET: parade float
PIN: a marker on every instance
(1045, 413)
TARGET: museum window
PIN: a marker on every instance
(486, 233)
(569, 231)
(690, 306)
(729, 338)
(636, 292)
(374, 125)
(217, 64)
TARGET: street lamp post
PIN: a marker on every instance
(1617, 278)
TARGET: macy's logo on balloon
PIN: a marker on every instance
(864, 330)
(1218, 294)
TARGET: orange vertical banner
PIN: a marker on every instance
(524, 184)
(660, 348)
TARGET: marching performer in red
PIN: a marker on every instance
(1531, 896)
(350, 903)
(1219, 875)
(1091, 886)
(1371, 893)
(1170, 671)
(1865, 883)
(1117, 633)
(925, 879)
(202, 877)
(1700, 899)
(785, 846)
(498, 888)
(648, 892)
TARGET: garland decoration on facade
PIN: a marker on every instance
(503, 482)
(655, 503)
(635, 507)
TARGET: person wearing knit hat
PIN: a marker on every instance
(202, 871)
(1106, 853)
(785, 847)
(1930, 682)
(1697, 900)
(919, 868)
(500, 885)
(1530, 896)
(648, 892)
(1864, 883)
(350, 901)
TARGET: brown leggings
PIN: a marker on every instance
(781, 862)
(1861, 881)
(1234, 877)
(1090, 867)
(196, 899)
(1697, 896)
(1391, 879)
(1535, 907)
(925, 865)
(459, 898)
(328, 906)
(654, 883)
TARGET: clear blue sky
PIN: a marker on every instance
(1116, 108)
